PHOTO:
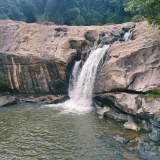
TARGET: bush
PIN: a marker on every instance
(148, 9)
(3, 17)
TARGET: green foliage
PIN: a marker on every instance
(11, 9)
(148, 9)
(150, 95)
(3, 17)
(28, 10)
(69, 12)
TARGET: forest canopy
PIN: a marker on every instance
(79, 12)
(149, 9)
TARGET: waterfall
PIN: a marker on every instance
(128, 36)
(73, 78)
(82, 83)
(85, 84)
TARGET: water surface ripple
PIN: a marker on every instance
(34, 132)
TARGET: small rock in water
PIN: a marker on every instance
(146, 126)
(121, 140)
(101, 111)
(131, 126)
(100, 117)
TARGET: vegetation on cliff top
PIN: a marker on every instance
(145, 9)
(69, 12)
(80, 12)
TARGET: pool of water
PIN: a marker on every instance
(35, 132)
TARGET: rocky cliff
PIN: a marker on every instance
(132, 69)
(133, 65)
(36, 58)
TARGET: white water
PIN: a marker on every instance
(81, 88)
(74, 78)
(128, 36)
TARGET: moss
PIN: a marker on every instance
(151, 95)
(73, 44)
(131, 135)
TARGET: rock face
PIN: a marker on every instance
(37, 58)
(133, 65)
(133, 104)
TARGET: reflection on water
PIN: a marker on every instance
(33, 132)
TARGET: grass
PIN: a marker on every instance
(151, 95)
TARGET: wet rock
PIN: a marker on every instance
(91, 35)
(47, 99)
(117, 33)
(146, 126)
(155, 135)
(129, 103)
(152, 143)
(148, 147)
(102, 111)
(7, 100)
(59, 99)
(100, 117)
(5, 94)
(131, 126)
(121, 40)
(134, 104)
(106, 40)
(121, 139)
(117, 116)
(114, 35)
(154, 148)
(118, 141)
(127, 27)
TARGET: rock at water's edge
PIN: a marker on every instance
(7, 100)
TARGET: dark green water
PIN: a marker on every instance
(34, 132)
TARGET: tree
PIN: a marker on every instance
(11, 9)
(146, 9)
(3, 16)
(28, 10)
(68, 12)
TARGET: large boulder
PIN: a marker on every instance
(133, 104)
(7, 100)
(132, 65)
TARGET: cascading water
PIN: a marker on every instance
(128, 36)
(82, 85)
(74, 78)
(85, 84)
